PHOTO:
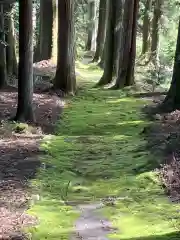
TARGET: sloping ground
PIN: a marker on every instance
(45, 68)
(98, 154)
(164, 141)
(19, 159)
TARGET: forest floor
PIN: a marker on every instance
(19, 158)
(104, 155)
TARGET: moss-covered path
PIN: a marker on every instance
(96, 153)
(91, 225)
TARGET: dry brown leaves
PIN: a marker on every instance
(19, 159)
(164, 140)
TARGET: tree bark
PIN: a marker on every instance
(54, 30)
(101, 30)
(65, 79)
(118, 9)
(25, 73)
(155, 32)
(3, 68)
(47, 43)
(45, 29)
(132, 56)
(101, 63)
(12, 66)
(91, 40)
(146, 27)
(172, 100)
(127, 49)
(36, 55)
(109, 46)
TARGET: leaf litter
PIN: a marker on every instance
(19, 158)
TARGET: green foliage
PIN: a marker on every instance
(168, 30)
(168, 36)
(56, 220)
(167, 42)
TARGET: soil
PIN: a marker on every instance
(19, 158)
(45, 68)
(163, 137)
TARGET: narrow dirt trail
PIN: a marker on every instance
(91, 225)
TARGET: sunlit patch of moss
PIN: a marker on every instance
(98, 152)
(55, 220)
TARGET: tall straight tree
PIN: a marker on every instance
(12, 66)
(47, 43)
(91, 40)
(146, 27)
(127, 48)
(3, 71)
(120, 43)
(155, 31)
(54, 30)
(25, 73)
(65, 79)
(109, 45)
(172, 100)
(101, 30)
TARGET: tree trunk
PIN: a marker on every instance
(172, 100)
(101, 30)
(109, 46)
(146, 27)
(45, 29)
(3, 71)
(47, 44)
(65, 79)
(25, 82)
(127, 49)
(132, 55)
(54, 31)
(12, 66)
(36, 55)
(101, 63)
(117, 34)
(91, 41)
(155, 32)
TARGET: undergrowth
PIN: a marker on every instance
(98, 152)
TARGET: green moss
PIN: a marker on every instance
(97, 152)
(20, 127)
(55, 220)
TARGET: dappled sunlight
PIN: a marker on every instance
(89, 75)
(128, 100)
(81, 148)
(120, 137)
(130, 122)
(96, 153)
(90, 66)
(55, 219)
(141, 229)
(80, 65)
(166, 235)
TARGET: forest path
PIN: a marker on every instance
(91, 225)
(98, 152)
